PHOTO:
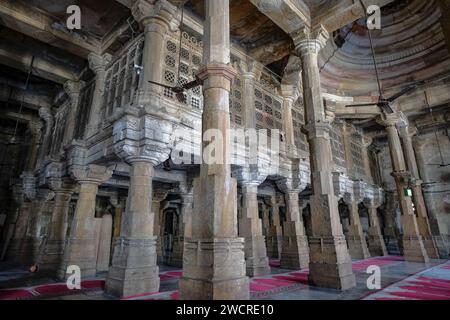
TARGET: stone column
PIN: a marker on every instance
(118, 205)
(347, 131)
(73, 90)
(249, 74)
(134, 268)
(214, 260)
(98, 64)
(50, 258)
(185, 230)
(356, 240)
(265, 219)
(157, 18)
(158, 229)
(287, 91)
(391, 230)
(104, 243)
(46, 114)
(377, 246)
(81, 248)
(406, 134)
(366, 143)
(330, 263)
(275, 235)
(250, 228)
(413, 246)
(295, 251)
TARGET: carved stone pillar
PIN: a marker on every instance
(249, 74)
(134, 269)
(81, 247)
(46, 114)
(275, 234)
(330, 263)
(73, 90)
(356, 240)
(158, 230)
(265, 219)
(50, 258)
(97, 64)
(184, 230)
(391, 229)
(377, 246)
(413, 246)
(118, 205)
(295, 251)
(104, 236)
(250, 228)
(406, 134)
(157, 17)
(287, 92)
(366, 143)
(214, 260)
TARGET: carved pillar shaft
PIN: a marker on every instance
(47, 116)
(214, 258)
(250, 228)
(377, 246)
(288, 125)
(295, 250)
(328, 248)
(275, 235)
(134, 268)
(98, 64)
(73, 90)
(413, 245)
(355, 238)
(406, 134)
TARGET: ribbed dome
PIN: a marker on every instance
(409, 47)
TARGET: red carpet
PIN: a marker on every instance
(14, 294)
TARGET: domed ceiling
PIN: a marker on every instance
(409, 47)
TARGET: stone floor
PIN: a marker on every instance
(399, 280)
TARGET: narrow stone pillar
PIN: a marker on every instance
(98, 64)
(406, 134)
(347, 131)
(118, 205)
(158, 229)
(250, 228)
(275, 235)
(295, 251)
(287, 91)
(134, 268)
(104, 243)
(50, 258)
(184, 230)
(356, 240)
(265, 219)
(14, 250)
(46, 114)
(366, 143)
(330, 263)
(413, 246)
(214, 260)
(73, 90)
(249, 74)
(157, 18)
(81, 248)
(377, 246)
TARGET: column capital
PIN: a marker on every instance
(161, 12)
(366, 141)
(388, 120)
(98, 63)
(61, 185)
(91, 174)
(35, 126)
(217, 70)
(73, 87)
(307, 40)
(249, 69)
(45, 113)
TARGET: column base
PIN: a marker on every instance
(357, 246)
(294, 253)
(81, 253)
(331, 265)
(134, 269)
(377, 247)
(274, 246)
(51, 257)
(441, 246)
(176, 259)
(430, 247)
(256, 261)
(414, 249)
(393, 245)
(214, 269)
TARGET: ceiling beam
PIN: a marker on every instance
(26, 20)
(30, 100)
